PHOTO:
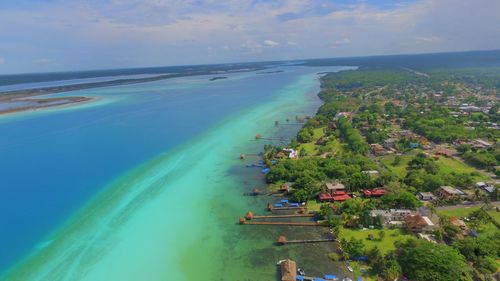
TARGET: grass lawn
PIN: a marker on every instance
(400, 169)
(313, 205)
(385, 245)
(459, 212)
(449, 165)
(309, 147)
(494, 214)
(446, 165)
(318, 133)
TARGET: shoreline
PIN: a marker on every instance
(26, 95)
(137, 207)
(46, 103)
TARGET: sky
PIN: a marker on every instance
(60, 35)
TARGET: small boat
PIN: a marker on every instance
(301, 271)
(350, 268)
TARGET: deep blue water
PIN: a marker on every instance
(52, 162)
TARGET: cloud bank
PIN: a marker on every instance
(89, 34)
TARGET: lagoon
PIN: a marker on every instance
(145, 183)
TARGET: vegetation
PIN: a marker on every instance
(425, 261)
(397, 122)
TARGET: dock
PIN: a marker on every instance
(284, 216)
(270, 207)
(243, 221)
(283, 241)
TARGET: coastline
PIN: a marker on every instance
(47, 103)
(133, 191)
(26, 95)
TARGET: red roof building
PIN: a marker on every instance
(377, 192)
(341, 198)
(325, 197)
(339, 193)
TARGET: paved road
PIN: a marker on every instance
(445, 208)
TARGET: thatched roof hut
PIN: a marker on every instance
(288, 270)
(281, 240)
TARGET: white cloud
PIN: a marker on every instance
(251, 47)
(95, 33)
(271, 43)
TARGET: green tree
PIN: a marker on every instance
(425, 261)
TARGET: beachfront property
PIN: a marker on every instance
(449, 192)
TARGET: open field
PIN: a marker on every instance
(385, 245)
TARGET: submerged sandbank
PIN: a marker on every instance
(172, 218)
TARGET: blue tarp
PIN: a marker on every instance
(360, 279)
(319, 279)
(284, 200)
(299, 278)
(274, 162)
(261, 162)
(266, 170)
(330, 276)
(294, 204)
(278, 205)
(362, 258)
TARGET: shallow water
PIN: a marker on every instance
(158, 171)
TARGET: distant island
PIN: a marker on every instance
(217, 78)
(22, 100)
(270, 72)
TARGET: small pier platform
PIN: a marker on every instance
(282, 240)
(284, 216)
(243, 221)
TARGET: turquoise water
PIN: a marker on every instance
(145, 183)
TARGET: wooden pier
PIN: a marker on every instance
(270, 207)
(282, 240)
(285, 216)
(282, 223)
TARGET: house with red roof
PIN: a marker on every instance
(325, 197)
(377, 192)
